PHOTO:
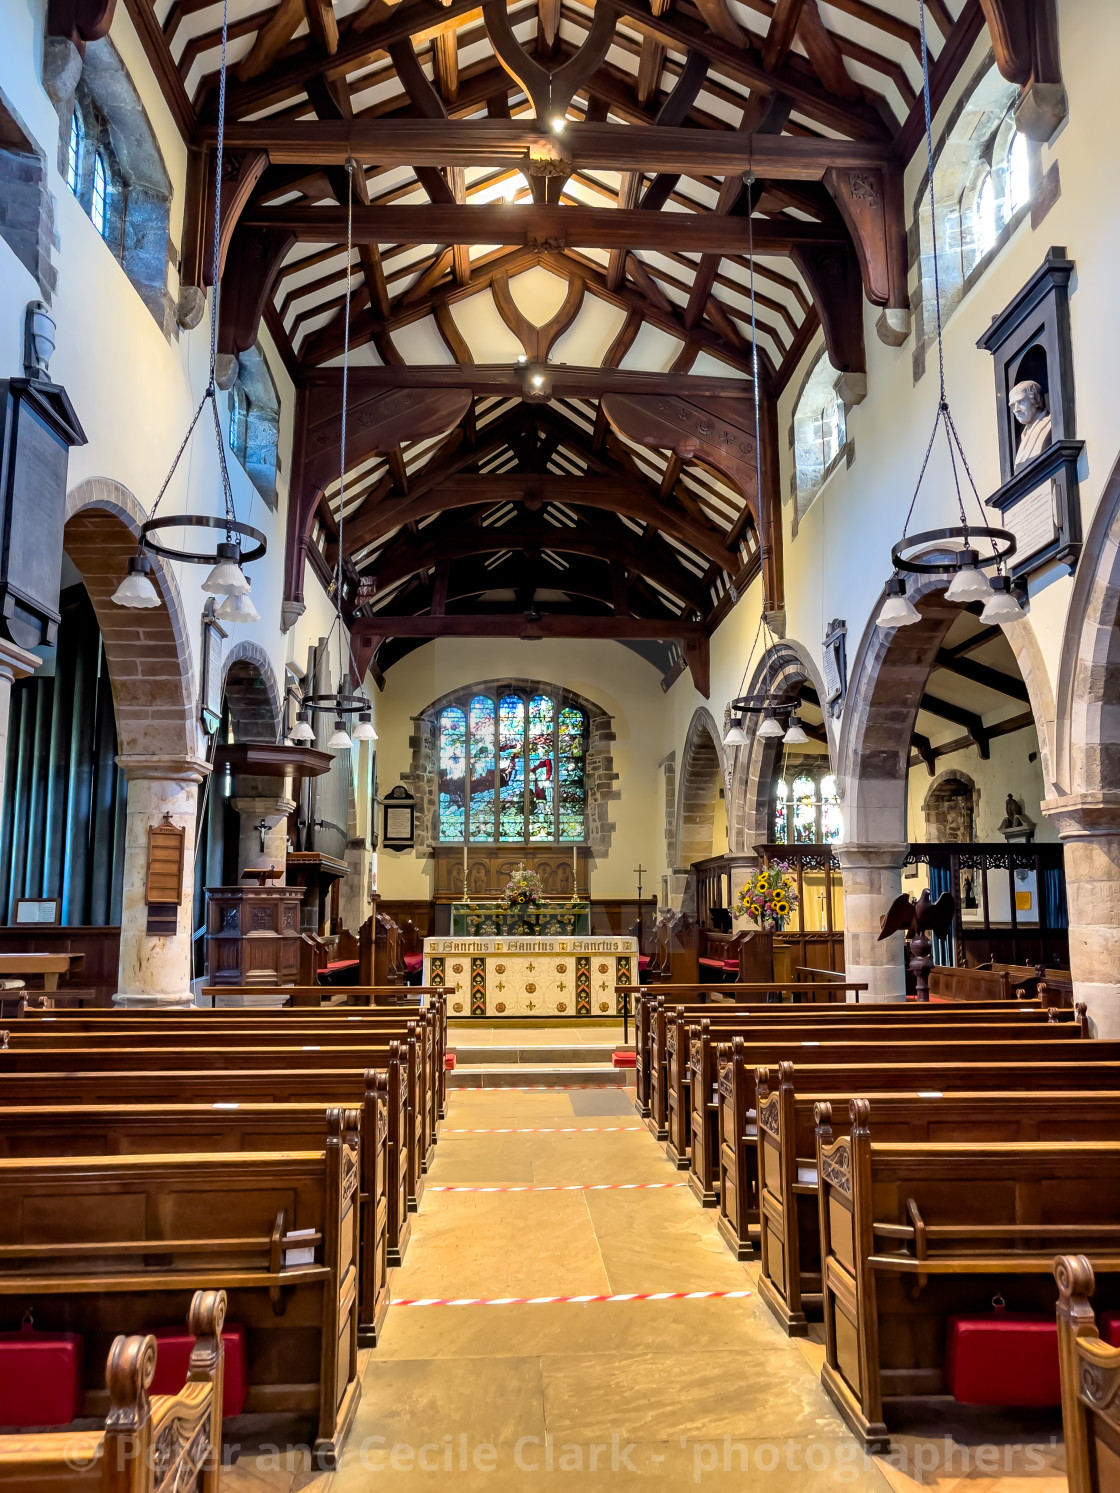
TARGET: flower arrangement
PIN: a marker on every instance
(524, 888)
(769, 897)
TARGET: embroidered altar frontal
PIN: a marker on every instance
(532, 976)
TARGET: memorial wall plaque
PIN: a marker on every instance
(39, 425)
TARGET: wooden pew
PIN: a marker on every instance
(148, 1444)
(133, 1129)
(150, 1087)
(94, 1240)
(329, 997)
(1090, 1372)
(23, 1049)
(692, 1119)
(789, 1226)
(957, 983)
(913, 1234)
(738, 1220)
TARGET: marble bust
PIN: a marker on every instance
(1028, 405)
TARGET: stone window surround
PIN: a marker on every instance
(26, 205)
(803, 500)
(600, 777)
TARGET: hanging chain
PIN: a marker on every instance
(211, 392)
(350, 165)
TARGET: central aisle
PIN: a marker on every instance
(652, 1386)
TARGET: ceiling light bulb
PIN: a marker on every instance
(237, 608)
(1002, 606)
(897, 610)
(136, 590)
(537, 380)
(364, 731)
(227, 578)
(735, 735)
(770, 728)
(302, 731)
(522, 359)
(339, 741)
(558, 124)
(795, 736)
(970, 583)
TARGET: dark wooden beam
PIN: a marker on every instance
(565, 382)
(993, 679)
(968, 719)
(1014, 723)
(521, 143)
(537, 223)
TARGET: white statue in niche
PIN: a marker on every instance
(1028, 405)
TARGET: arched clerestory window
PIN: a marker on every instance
(512, 769)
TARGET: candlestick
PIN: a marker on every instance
(465, 895)
(575, 871)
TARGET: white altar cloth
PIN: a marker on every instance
(514, 976)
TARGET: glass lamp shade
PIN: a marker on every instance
(302, 731)
(136, 590)
(237, 608)
(735, 736)
(770, 728)
(795, 735)
(364, 731)
(1001, 606)
(227, 578)
(339, 741)
(897, 610)
(970, 583)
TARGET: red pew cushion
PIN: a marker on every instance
(173, 1358)
(448, 1061)
(413, 962)
(1108, 1325)
(624, 1058)
(40, 1378)
(643, 961)
(1003, 1358)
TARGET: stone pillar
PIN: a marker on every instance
(872, 877)
(15, 663)
(154, 970)
(273, 810)
(1089, 825)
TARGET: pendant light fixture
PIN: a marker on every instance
(950, 550)
(342, 705)
(226, 577)
(765, 703)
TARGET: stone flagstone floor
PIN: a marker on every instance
(665, 1395)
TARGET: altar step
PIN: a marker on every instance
(508, 1066)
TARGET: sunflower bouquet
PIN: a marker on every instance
(769, 897)
(524, 888)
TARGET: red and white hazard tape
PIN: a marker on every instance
(557, 1187)
(544, 1130)
(573, 1300)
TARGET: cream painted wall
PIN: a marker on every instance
(840, 559)
(1009, 770)
(607, 673)
(134, 392)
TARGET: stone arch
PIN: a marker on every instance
(251, 691)
(148, 653)
(887, 679)
(950, 806)
(1087, 728)
(782, 670)
(702, 776)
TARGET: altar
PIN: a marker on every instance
(517, 976)
(497, 920)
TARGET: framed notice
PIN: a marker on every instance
(164, 883)
(39, 911)
(398, 819)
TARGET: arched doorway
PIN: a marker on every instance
(701, 827)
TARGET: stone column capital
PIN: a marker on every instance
(177, 769)
(872, 857)
(268, 806)
(1084, 816)
(16, 662)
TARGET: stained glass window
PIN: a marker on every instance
(831, 822)
(512, 769)
(781, 828)
(804, 811)
(482, 768)
(511, 729)
(571, 773)
(452, 772)
(540, 769)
